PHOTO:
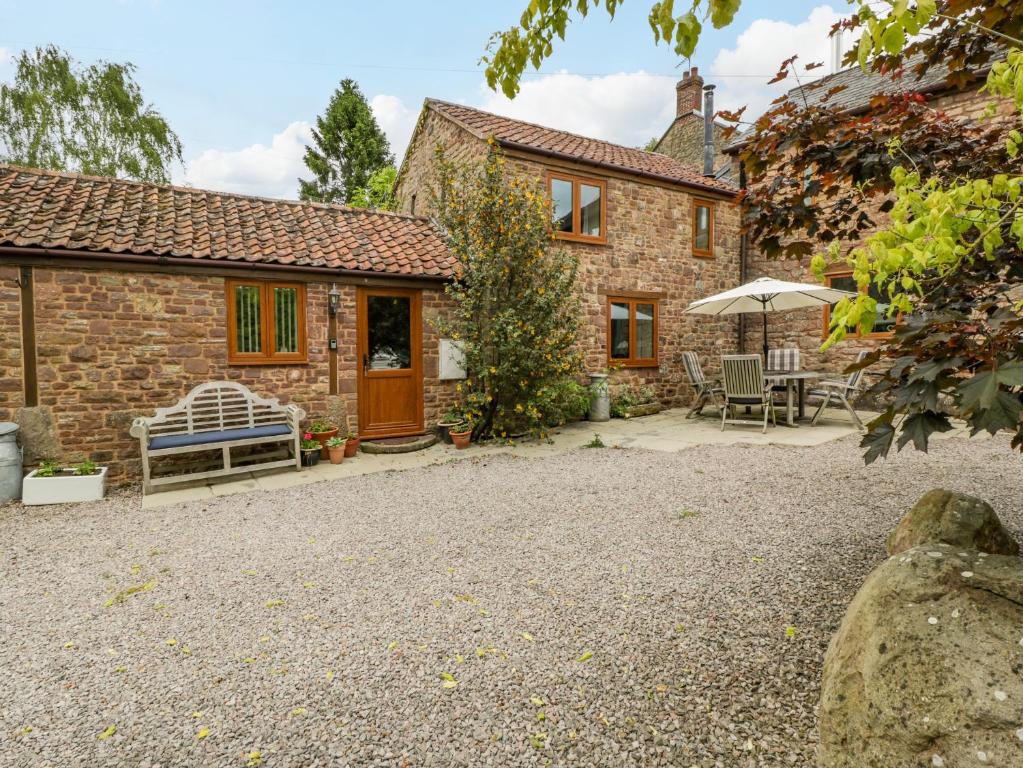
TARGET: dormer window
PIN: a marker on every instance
(580, 208)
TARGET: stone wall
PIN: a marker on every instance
(649, 249)
(113, 345)
(684, 141)
(416, 179)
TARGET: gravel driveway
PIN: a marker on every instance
(604, 607)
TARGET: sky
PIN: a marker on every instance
(242, 82)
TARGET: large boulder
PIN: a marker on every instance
(956, 519)
(927, 666)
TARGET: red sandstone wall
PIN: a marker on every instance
(113, 345)
(648, 249)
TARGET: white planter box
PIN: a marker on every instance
(63, 488)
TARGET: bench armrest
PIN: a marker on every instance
(140, 428)
(295, 414)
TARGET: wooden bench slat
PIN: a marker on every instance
(215, 407)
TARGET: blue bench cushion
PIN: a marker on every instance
(202, 438)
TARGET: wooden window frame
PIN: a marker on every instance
(269, 356)
(576, 182)
(631, 361)
(827, 313)
(704, 253)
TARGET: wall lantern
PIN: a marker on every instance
(333, 299)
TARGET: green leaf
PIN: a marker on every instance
(109, 731)
(587, 655)
(978, 392)
(1010, 374)
(1003, 413)
(918, 427)
(878, 441)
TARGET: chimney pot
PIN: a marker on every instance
(689, 93)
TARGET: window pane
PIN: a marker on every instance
(589, 212)
(843, 283)
(701, 238)
(247, 319)
(644, 331)
(561, 198)
(390, 333)
(286, 319)
(619, 330)
(882, 324)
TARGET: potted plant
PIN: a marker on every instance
(461, 435)
(351, 445)
(336, 449)
(310, 450)
(633, 402)
(53, 484)
(322, 431)
(451, 419)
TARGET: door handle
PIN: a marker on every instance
(365, 363)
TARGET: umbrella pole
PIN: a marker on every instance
(765, 337)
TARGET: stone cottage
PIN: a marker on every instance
(651, 233)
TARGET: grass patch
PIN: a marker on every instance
(596, 442)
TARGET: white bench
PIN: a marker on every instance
(218, 415)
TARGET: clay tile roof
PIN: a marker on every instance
(46, 209)
(580, 148)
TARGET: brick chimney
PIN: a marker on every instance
(689, 93)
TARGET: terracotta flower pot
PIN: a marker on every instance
(461, 439)
(351, 447)
(337, 453)
(323, 437)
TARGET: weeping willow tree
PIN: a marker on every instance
(62, 116)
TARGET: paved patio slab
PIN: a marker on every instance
(666, 431)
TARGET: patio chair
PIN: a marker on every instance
(839, 392)
(706, 389)
(744, 385)
(781, 360)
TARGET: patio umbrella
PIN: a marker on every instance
(765, 294)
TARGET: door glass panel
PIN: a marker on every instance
(589, 210)
(702, 242)
(388, 320)
(561, 198)
(247, 321)
(619, 330)
(644, 331)
(285, 319)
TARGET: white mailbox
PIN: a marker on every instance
(452, 360)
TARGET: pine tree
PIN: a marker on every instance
(349, 148)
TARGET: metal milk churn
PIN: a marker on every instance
(10, 462)
(600, 398)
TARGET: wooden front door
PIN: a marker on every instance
(390, 348)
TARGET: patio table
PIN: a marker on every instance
(794, 379)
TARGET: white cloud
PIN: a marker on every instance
(269, 171)
(274, 170)
(760, 49)
(396, 120)
(626, 108)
